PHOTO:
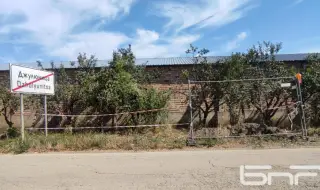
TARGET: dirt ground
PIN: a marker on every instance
(196, 169)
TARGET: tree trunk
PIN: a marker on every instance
(200, 115)
(205, 116)
(242, 116)
(216, 109)
(267, 119)
(7, 118)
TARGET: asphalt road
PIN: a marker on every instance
(199, 169)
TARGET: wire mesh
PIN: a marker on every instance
(249, 107)
(136, 119)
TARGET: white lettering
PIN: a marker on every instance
(280, 174)
(303, 174)
(253, 183)
(268, 177)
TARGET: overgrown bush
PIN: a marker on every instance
(12, 132)
(114, 89)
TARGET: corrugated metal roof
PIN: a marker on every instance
(167, 61)
(292, 57)
(175, 60)
(211, 59)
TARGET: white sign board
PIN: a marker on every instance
(31, 81)
(285, 85)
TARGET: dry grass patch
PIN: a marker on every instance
(158, 138)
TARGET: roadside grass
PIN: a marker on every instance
(159, 138)
(314, 131)
(145, 139)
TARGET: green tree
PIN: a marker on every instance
(311, 89)
(267, 96)
(117, 88)
(218, 87)
(138, 72)
(236, 95)
(69, 90)
(207, 96)
(9, 104)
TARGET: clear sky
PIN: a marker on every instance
(58, 30)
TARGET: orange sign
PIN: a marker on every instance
(299, 77)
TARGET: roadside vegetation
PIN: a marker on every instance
(157, 139)
(146, 139)
(123, 86)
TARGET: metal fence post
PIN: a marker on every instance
(21, 117)
(302, 115)
(191, 140)
(45, 115)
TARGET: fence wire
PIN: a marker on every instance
(254, 92)
(150, 119)
(250, 108)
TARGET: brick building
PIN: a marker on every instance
(170, 72)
